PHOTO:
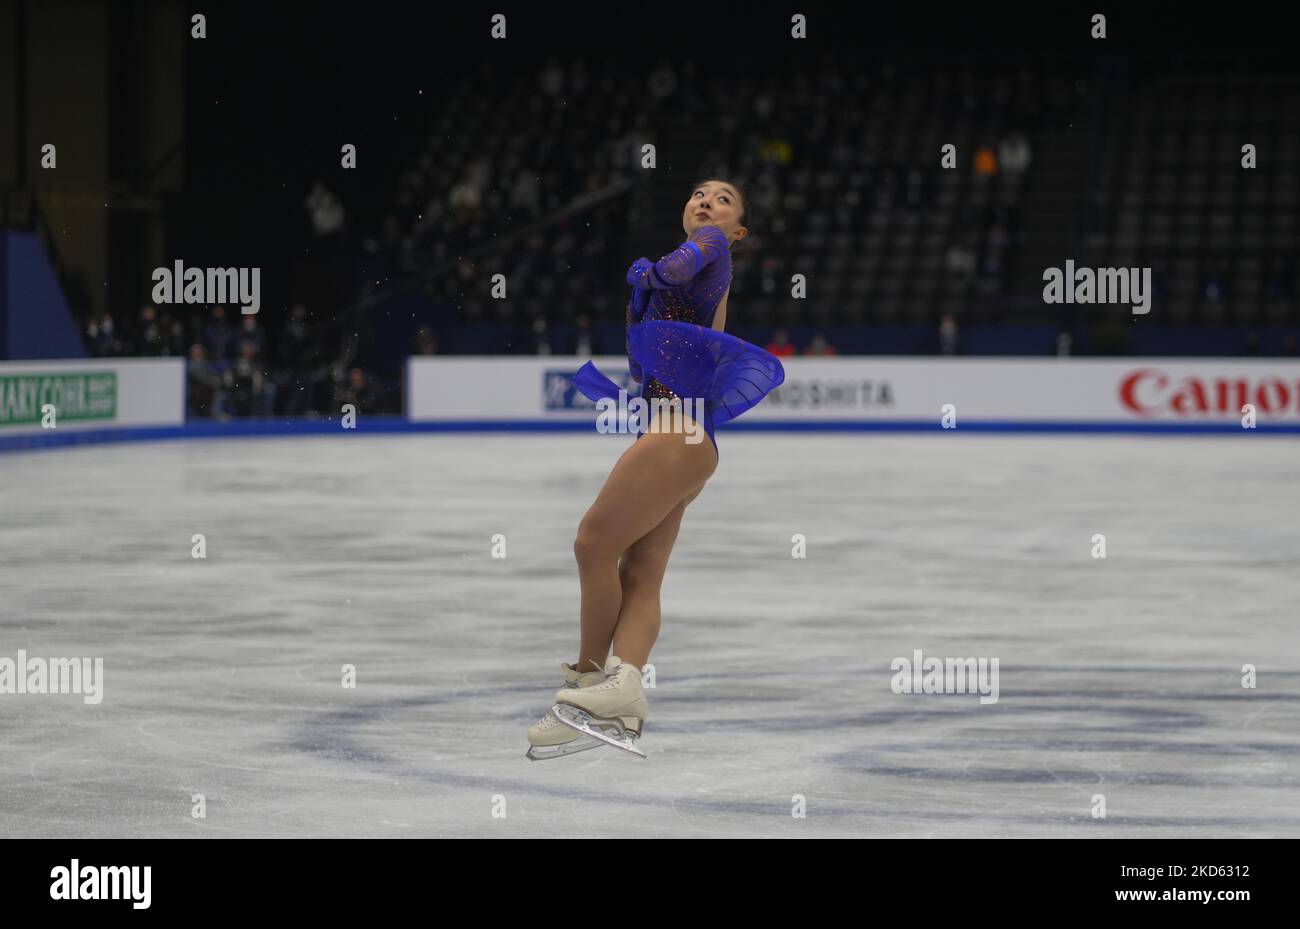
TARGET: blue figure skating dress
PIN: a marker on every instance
(672, 349)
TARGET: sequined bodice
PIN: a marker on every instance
(697, 298)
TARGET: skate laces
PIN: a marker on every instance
(611, 681)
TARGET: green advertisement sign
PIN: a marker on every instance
(87, 395)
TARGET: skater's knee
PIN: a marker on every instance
(592, 545)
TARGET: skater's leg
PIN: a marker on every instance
(642, 575)
(649, 481)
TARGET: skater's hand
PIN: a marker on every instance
(639, 275)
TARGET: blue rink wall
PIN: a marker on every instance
(375, 425)
(143, 400)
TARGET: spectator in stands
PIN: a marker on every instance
(819, 346)
(1014, 154)
(959, 259)
(172, 334)
(1064, 342)
(986, 163)
(584, 339)
(217, 335)
(148, 334)
(251, 393)
(426, 343)
(466, 202)
(948, 336)
(301, 368)
(300, 390)
(541, 339)
(204, 395)
(251, 334)
(359, 390)
(102, 340)
(662, 83)
(465, 273)
(292, 346)
(775, 151)
(551, 79)
(781, 346)
(325, 210)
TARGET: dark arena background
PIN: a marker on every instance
(293, 464)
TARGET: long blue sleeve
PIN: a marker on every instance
(636, 308)
(705, 246)
(633, 365)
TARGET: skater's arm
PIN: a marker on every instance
(690, 258)
(704, 247)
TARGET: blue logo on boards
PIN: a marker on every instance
(558, 392)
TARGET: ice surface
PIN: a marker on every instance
(1119, 677)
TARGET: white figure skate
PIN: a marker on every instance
(550, 738)
(612, 711)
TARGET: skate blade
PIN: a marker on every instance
(543, 752)
(582, 721)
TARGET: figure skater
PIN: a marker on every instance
(678, 352)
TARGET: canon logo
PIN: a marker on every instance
(1151, 392)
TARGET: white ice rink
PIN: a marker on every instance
(1120, 677)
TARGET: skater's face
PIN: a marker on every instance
(715, 203)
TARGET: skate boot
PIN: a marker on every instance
(550, 738)
(612, 711)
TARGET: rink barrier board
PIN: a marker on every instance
(906, 391)
(109, 394)
(507, 378)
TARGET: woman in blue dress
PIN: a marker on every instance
(701, 377)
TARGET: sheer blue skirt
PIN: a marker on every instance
(692, 362)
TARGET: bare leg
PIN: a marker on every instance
(642, 575)
(649, 482)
